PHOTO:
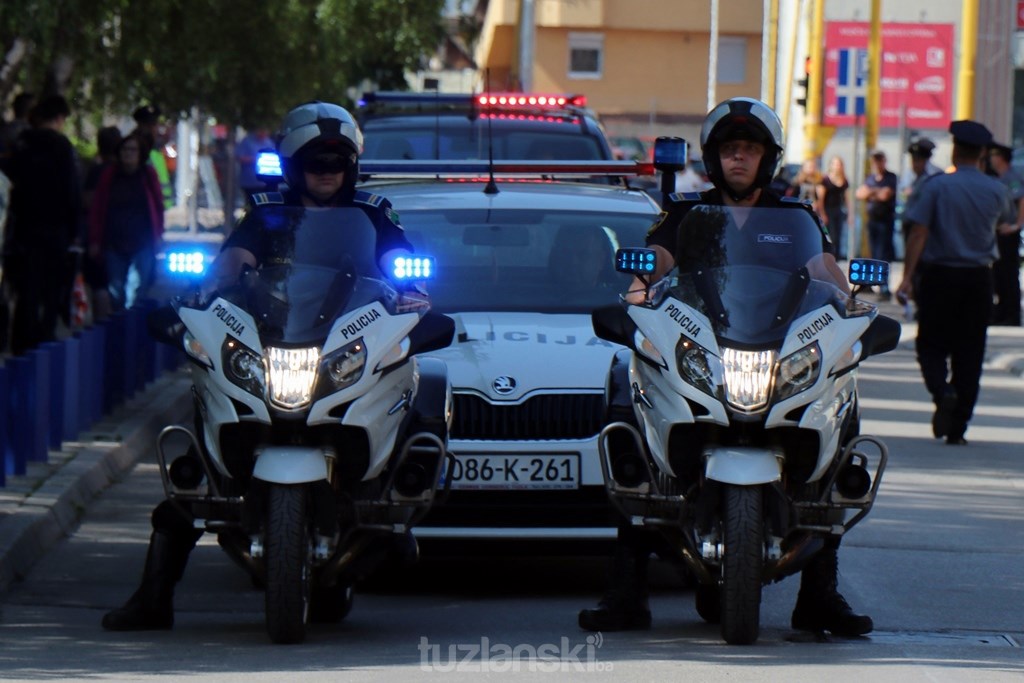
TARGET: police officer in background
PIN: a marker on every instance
(1006, 269)
(742, 146)
(952, 244)
(319, 146)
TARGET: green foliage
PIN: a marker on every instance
(240, 61)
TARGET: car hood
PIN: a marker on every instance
(507, 356)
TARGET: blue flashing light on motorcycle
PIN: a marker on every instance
(413, 268)
(268, 164)
(636, 261)
(868, 272)
(186, 263)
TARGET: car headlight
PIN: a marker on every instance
(291, 374)
(748, 378)
(195, 350)
(244, 367)
(798, 371)
(342, 368)
(697, 366)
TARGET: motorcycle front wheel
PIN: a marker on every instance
(742, 565)
(288, 555)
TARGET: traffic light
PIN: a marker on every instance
(801, 97)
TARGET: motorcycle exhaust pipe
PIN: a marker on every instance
(186, 472)
(853, 481)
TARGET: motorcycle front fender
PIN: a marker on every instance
(742, 466)
(290, 465)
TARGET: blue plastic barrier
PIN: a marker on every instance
(56, 357)
(113, 354)
(71, 424)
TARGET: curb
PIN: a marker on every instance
(55, 500)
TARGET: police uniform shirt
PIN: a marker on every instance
(961, 211)
(665, 232)
(252, 236)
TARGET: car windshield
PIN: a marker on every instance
(424, 141)
(319, 263)
(523, 259)
(751, 272)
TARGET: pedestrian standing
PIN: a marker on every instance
(952, 245)
(879, 191)
(147, 126)
(9, 131)
(836, 203)
(1006, 269)
(43, 224)
(108, 140)
(126, 222)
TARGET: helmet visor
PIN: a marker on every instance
(325, 162)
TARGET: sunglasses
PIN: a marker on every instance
(325, 163)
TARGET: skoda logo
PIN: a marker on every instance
(504, 385)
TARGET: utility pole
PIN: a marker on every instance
(815, 66)
(968, 55)
(713, 57)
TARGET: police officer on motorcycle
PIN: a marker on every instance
(319, 145)
(742, 146)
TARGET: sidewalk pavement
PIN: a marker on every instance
(40, 508)
(47, 503)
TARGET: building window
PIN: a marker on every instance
(586, 55)
(732, 60)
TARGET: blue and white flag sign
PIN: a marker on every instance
(851, 82)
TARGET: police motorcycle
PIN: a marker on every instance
(736, 417)
(319, 436)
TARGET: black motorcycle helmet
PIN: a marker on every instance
(742, 118)
(324, 133)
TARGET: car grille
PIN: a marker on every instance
(551, 416)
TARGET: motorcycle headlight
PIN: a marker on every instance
(195, 350)
(697, 366)
(798, 371)
(342, 368)
(291, 374)
(748, 378)
(243, 367)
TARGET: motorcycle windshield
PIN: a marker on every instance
(752, 271)
(318, 263)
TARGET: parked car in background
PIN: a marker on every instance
(443, 126)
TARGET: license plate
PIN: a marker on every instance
(516, 472)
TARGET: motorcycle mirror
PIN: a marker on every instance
(613, 324)
(866, 272)
(882, 336)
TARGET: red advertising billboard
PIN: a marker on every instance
(917, 74)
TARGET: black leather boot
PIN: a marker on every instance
(624, 607)
(151, 606)
(819, 605)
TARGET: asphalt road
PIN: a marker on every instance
(937, 564)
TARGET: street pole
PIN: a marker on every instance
(816, 51)
(770, 52)
(874, 98)
(968, 55)
(713, 57)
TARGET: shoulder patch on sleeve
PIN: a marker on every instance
(263, 198)
(685, 196)
(367, 198)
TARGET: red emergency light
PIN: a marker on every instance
(514, 99)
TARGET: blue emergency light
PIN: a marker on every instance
(413, 268)
(186, 262)
(636, 261)
(268, 164)
(868, 272)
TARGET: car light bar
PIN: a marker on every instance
(418, 168)
(531, 100)
(486, 100)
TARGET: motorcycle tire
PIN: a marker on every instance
(288, 555)
(331, 604)
(708, 600)
(743, 563)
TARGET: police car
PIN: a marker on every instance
(523, 258)
(489, 125)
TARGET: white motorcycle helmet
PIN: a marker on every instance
(318, 128)
(742, 118)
